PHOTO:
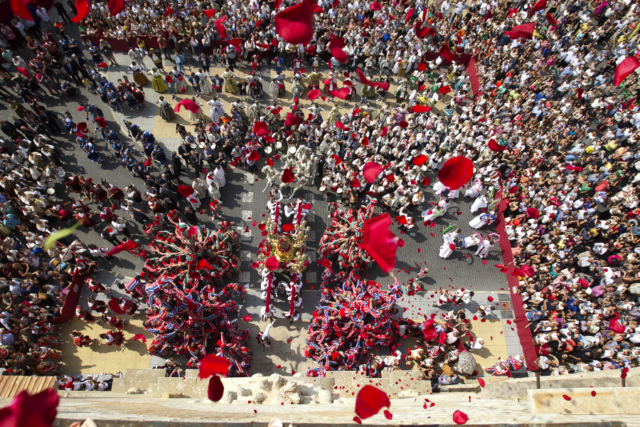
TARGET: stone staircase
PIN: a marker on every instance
(339, 383)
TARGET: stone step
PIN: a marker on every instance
(139, 378)
(406, 383)
(607, 400)
(514, 388)
(339, 383)
(395, 383)
(192, 387)
(188, 387)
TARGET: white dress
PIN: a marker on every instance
(205, 85)
(483, 248)
(179, 78)
(216, 112)
(218, 176)
(438, 188)
(214, 191)
(448, 246)
(481, 220)
(479, 203)
(474, 190)
(472, 240)
(432, 214)
(195, 201)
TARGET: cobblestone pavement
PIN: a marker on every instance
(244, 201)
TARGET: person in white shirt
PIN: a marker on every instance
(44, 17)
(263, 337)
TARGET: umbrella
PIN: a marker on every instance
(466, 363)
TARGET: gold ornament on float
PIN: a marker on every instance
(287, 248)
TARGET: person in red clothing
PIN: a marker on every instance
(80, 340)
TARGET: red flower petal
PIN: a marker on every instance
(481, 382)
(264, 232)
(460, 417)
(420, 160)
(247, 318)
(388, 415)
(288, 227)
(271, 263)
(212, 364)
(565, 397)
(533, 213)
(494, 146)
(420, 109)
(260, 129)
(356, 419)
(38, 410)
(490, 298)
(287, 176)
(593, 393)
(139, 337)
(19, 8)
(456, 172)
(370, 400)
(484, 262)
(380, 242)
(295, 23)
(419, 250)
(215, 389)
(336, 46)
(528, 270)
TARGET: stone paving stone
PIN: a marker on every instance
(247, 197)
(312, 277)
(312, 256)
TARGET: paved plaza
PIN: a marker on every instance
(243, 201)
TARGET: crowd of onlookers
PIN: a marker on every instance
(547, 131)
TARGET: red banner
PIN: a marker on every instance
(73, 296)
(122, 45)
(524, 333)
(473, 76)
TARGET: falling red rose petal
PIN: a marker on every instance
(215, 389)
(212, 364)
(370, 400)
(460, 417)
(456, 172)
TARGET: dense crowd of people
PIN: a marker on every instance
(550, 130)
